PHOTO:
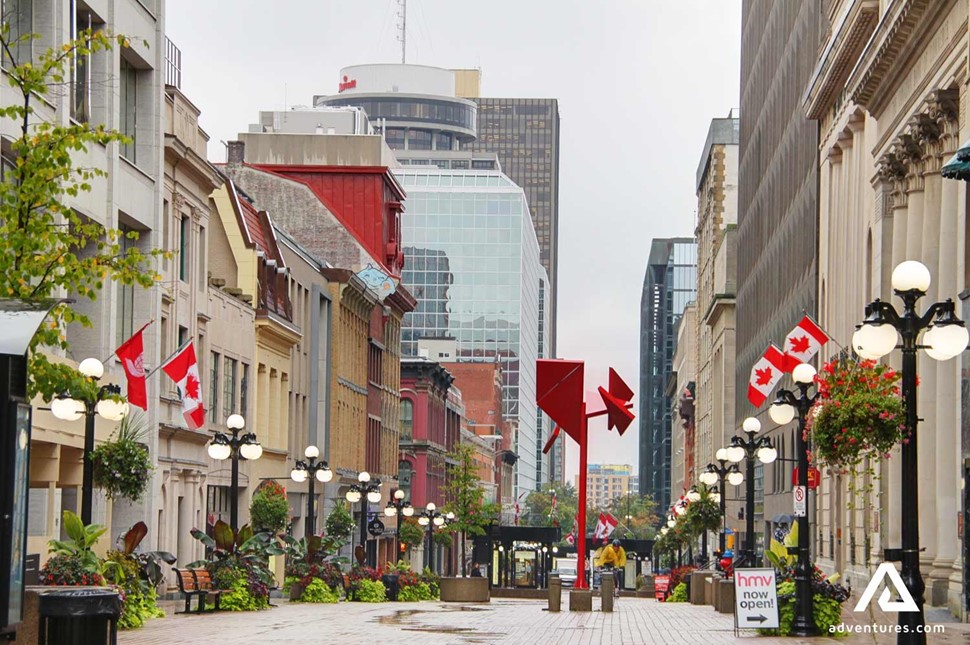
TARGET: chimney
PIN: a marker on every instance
(237, 153)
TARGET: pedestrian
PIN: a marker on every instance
(476, 571)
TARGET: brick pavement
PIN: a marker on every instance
(635, 621)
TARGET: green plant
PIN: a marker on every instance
(680, 574)
(269, 509)
(679, 594)
(859, 413)
(703, 514)
(827, 612)
(240, 598)
(467, 499)
(122, 466)
(319, 592)
(369, 591)
(340, 524)
(411, 532)
(66, 569)
(414, 593)
(444, 538)
(80, 544)
(433, 580)
(51, 248)
(138, 608)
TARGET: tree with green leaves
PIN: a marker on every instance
(637, 515)
(50, 249)
(466, 498)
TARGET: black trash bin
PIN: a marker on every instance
(79, 617)
(390, 584)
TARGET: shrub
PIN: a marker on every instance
(679, 594)
(369, 591)
(680, 574)
(269, 510)
(414, 593)
(826, 612)
(340, 524)
(319, 592)
(138, 607)
(433, 580)
(67, 569)
(240, 598)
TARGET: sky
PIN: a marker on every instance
(638, 82)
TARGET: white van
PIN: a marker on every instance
(566, 568)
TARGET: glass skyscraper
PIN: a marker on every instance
(472, 263)
(669, 284)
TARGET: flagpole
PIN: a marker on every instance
(162, 364)
(108, 358)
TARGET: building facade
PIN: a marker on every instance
(473, 266)
(890, 93)
(717, 217)
(777, 195)
(606, 482)
(669, 285)
(680, 390)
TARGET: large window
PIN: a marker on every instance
(80, 69)
(404, 474)
(127, 123)
(244, 391)
(407, 419)
(19, 15)
(214, 387)
(184, 228)
(126, 294)
(229, 389)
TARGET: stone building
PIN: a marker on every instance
(890, 93)
(680, 390)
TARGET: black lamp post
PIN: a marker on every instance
(236, 447)
(401, 508)
(71, 406)
(784, 409)
(946, 337)
(431, 518)
(364, 491)
(311, 470)
(725, 474)
(750, 448)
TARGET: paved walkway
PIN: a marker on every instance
(510, 622)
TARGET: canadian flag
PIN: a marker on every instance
(132, 355)
(765, 375)
(184, 370)
(571, 536)
(803, 343)
(605, 526)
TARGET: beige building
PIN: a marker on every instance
(890, 95)
(606, 482)
(680, 390)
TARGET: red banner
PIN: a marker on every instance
(814, 477)
(660, 586)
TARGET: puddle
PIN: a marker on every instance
(402, 618)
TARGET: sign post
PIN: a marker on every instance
(755, 599)
(800, 497)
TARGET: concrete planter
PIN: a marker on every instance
(464, 590)
(296, 590)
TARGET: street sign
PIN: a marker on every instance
(376, 527)
(814, 477)
(800, 495)
(660, 586)
(755, 599)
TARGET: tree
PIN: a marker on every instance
(51, 250)
(466, 498)
(643, 515)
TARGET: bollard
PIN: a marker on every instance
(555, 593)
(606, 591)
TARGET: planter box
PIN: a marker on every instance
(296, 591)
(464, 590)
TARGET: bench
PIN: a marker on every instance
(197, 582)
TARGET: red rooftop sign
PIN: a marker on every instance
(347, 84)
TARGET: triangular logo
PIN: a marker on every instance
(905, 602)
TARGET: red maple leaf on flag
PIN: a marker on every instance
(799, 344)
(192, 387)
(764, 376)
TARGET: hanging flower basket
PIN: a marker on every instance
(122, 466)
(859, 413)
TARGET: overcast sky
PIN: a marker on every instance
(637, 81)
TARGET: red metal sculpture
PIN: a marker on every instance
(559, 393)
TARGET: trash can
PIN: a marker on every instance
(84, 616)
(390, 584)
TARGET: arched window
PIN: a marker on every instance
(407, 419)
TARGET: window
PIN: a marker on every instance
(217, 507)
(244, 391)
(166, 241)
(127, 111)
(184, 223)
(80, 69)
(126, 295)
(404, 472)
(201, 265)
(214, 387)
(229, 387)
(19, 14)
(407, 419)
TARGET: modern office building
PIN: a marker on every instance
(777, 194)
(669, 284)
(473, 267)
(606, 482)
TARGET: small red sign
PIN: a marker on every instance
(814, 477)
(660, 586)
(347, 84)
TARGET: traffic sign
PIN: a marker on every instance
(814, 477)
(755, 599)
(799, 494)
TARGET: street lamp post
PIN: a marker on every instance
(784, 409)
(311, 470)
(364, 491)
(71, 406)
(725, 474)
(401, 508)
(750, 448)
(431, 518)
(246, 447)
(946, 337)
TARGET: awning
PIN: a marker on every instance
(781, 519)
(959, 166)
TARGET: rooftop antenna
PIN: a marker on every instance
(402, 14)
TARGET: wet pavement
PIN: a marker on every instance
(505, 621)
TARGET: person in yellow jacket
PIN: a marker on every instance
(613, 557)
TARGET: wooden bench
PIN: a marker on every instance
(197, 582)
